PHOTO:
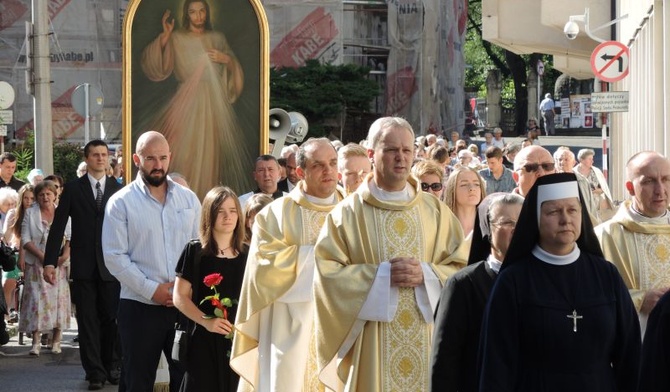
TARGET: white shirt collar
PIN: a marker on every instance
(404, 195)
(555, 259)
(93, 181)
(638, 217)
(328, 201)
(494, 263)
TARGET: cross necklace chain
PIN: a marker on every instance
(574, 315)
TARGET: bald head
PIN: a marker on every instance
(641, 160)
(531, 163)
(648, 183)
(150, 138)
(152, 158)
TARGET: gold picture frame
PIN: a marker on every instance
(202, 81)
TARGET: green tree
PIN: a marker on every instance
(66, 158)
(482, 55)
(323, 93)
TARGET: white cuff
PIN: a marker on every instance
(428, 294)
(382, 301)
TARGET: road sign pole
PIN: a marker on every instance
(87, 123)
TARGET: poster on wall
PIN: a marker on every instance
(580, 111)
(564, 120)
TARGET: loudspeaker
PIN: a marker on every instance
(286, 127)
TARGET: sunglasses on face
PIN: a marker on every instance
(534, 167)
(435, 187)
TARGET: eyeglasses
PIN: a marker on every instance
(435, 187)
(507, 224)
(534, 167)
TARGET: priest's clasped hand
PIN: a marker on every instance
(406, 272)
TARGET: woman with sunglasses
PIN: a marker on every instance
(431, 176)
(465, 190)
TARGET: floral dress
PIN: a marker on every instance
(43, 306)
(208, 367)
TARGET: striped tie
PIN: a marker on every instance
(98, 196)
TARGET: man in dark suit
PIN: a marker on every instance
(95, 292)
(292, 178)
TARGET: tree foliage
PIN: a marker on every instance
(322, 92)
(66, 156)
(481, 56)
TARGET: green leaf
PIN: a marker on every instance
(218, 313)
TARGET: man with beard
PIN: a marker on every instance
(146, 226)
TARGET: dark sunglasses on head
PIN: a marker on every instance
(436, 186)
(534, 167)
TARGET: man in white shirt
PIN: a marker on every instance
(548, 113)
(146, 226)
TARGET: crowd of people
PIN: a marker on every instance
(398, 263)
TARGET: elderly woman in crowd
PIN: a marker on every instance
(431, 176)
(597, 181)
(461, 308)
(465, 189)
(559, 317)
(45, 307)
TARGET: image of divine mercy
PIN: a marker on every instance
(199, 121)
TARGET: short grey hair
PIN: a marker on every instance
(383, 123)
(585, 153)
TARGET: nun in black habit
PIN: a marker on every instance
(459, 314)
(559, 317)
(655, 366)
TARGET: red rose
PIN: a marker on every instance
(212, 280)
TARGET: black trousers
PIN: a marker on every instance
(145, 331)
(97, 303)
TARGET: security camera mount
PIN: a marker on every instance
(571, 29)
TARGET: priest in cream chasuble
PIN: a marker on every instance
(637, 238)
(273, 348)
(373, 331)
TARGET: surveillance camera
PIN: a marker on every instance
(571, 30)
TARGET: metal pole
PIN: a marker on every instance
(87, 114)
(42, 99)
(539, 94)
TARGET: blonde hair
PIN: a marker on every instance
(349, 151)
(425, 167)
(452, 184)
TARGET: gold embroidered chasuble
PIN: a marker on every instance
(281, 249)
(359, 234)
(639, 250)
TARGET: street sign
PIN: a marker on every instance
(540, 68)
(610, 101)
(6, 95)
(95, 100)
(610, 61)
(3, 130)
(6, 116)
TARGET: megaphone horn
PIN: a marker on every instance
(280, 126)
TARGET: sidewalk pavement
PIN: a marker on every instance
(20, 371)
